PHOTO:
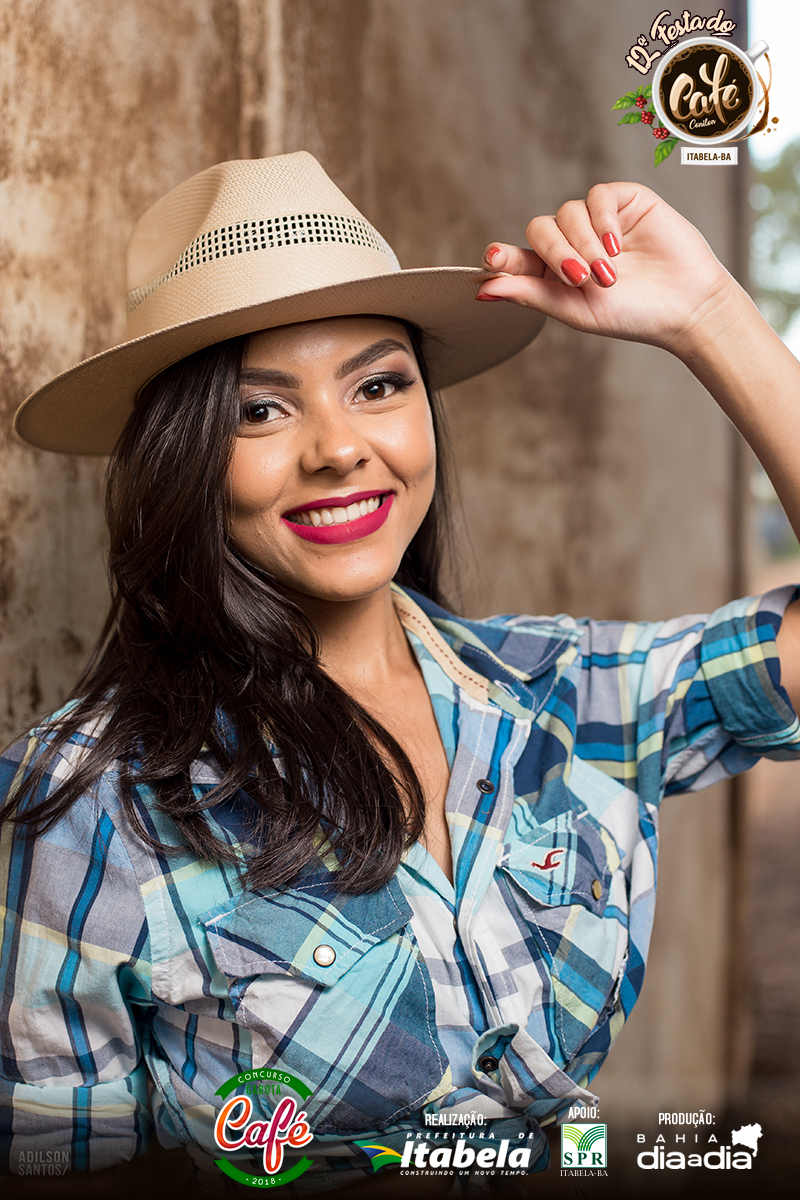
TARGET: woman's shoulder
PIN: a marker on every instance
(45, 759)
(51, 783)
(746, 613)
(99, 815)
(60, 741)
(583, 649)
(505, 636)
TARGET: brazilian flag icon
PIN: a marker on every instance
(381, 1156)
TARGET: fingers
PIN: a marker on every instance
(512, 260)
(547, 295)
(574, 246)
(603, 204)
(566, 245)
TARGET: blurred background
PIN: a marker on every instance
(597, 477)
(772, 832)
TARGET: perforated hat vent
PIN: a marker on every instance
(268, 234)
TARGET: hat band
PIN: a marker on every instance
(269, 233)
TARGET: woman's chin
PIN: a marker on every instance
(339, 588)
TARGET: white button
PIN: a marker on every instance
(324, 956)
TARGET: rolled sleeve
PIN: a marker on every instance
(741, 667)
(678, 705)
(734, 710)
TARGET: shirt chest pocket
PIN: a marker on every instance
(565, 878)
(569, 859)
(333, 990)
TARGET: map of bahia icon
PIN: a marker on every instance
(706, 90)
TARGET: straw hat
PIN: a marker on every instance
(250, 245)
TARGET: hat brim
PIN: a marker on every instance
(84, 410)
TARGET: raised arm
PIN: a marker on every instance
(623, 263)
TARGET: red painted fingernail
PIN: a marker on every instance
(492, 254)
(603, 273)
(483, 296)
(611, 244)
(574, 272)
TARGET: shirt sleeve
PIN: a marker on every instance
(678, 705)
(73, 988)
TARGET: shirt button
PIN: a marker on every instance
(486, 786)
(324, 956)
(597, 889)
(488, 1063)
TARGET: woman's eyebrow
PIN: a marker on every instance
(368, 355)
(265, 377)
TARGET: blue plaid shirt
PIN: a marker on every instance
(134, 985)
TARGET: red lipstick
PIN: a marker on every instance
(348, 531)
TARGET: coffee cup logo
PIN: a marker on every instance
(705, 91)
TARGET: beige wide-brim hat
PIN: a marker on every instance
(250, 245)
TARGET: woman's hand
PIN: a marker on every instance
(625, 264)
(620, 263)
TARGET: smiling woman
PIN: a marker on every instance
(335, 444)
(302, 819)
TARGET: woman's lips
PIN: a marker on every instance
(327, 527)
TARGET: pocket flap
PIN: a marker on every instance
(567, 860)
(270, 932)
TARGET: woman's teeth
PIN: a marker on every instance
(338, 515)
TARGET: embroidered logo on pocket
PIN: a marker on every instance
(552, 860)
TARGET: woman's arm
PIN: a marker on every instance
(73, 980)
(670, 291)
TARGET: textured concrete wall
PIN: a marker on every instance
(597, 477)
(104, 108)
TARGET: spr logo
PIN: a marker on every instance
(287, 1126)
(583, 1147)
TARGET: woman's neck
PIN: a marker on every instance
(362, 642)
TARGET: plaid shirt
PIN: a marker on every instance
(134, 985)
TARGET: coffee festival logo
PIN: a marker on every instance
(705, 91)
(287, 1125)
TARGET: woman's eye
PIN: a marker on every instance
(259, 412)
(385, 386)
(377, 389)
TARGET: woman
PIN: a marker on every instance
(299, 816)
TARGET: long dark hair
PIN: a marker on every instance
(202, 653)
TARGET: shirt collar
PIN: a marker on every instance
(412, 617)
(496, 660)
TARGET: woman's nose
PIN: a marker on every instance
(334, 442)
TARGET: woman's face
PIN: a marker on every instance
(333, 468)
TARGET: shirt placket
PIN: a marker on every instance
(478, 806)
(478, 809)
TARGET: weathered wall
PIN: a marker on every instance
(596, 476)
(104, 108)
